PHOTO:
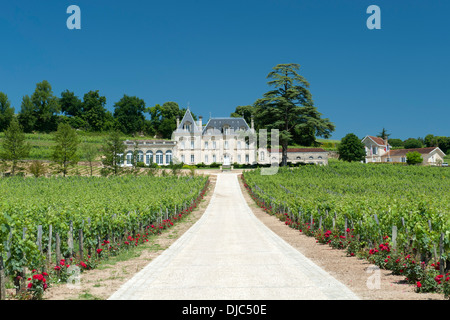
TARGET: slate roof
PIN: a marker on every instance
(233, 123)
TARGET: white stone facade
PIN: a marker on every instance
(221, 140)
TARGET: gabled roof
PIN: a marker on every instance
(403, 152)
(377, 140)
(189, 118)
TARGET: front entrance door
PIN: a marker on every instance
(226, 160)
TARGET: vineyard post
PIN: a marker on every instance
(441, 254)
(378, 224)
(49, 248)
(39, 238)
(434, 245)
(89, 245)
(58, 253)
(80, 239)
(39, 244)
(2, 280)
(8, 254)
(345, 227)
(70, 239)
(20, 285)
(320, 223)
(23, 273)
(406, 245)
(394, 238)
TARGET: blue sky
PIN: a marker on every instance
(216, 55)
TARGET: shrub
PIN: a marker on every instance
(37, 168)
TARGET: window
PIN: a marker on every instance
(182, 158)
(311, 157)
(225, 144)
(192, 158)
(129, 157)
(140, 156)
(214, 158)
(206, 158)
(159, 157)
(168, 157)
(247, 160)
(187, 126)
(192, 144)
(239, 158)
(261, 155)
(403, 159)
(120, 159)
(214, 144)
(319, 157)
(374, 150)
(149, 157)
(206, 144)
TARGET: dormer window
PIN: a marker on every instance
(187, 126)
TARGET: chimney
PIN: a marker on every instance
(178, 121)
(252, 123)
(200, 118)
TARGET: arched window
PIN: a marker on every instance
(129, 157)
(140, 156)
(168, 157)
(149, 157)
(159, 157)
(320, 157)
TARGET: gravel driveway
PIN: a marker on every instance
(231, 255)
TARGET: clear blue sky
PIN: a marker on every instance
(216, 55)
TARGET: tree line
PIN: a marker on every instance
(42, 111)
(430, 140)
(66, 152)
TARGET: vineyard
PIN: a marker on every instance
(397, 217)
(48, 224)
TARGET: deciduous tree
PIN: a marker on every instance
(6, 111)
(14, 146)
(351, 148)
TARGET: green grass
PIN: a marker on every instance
(42, 143)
